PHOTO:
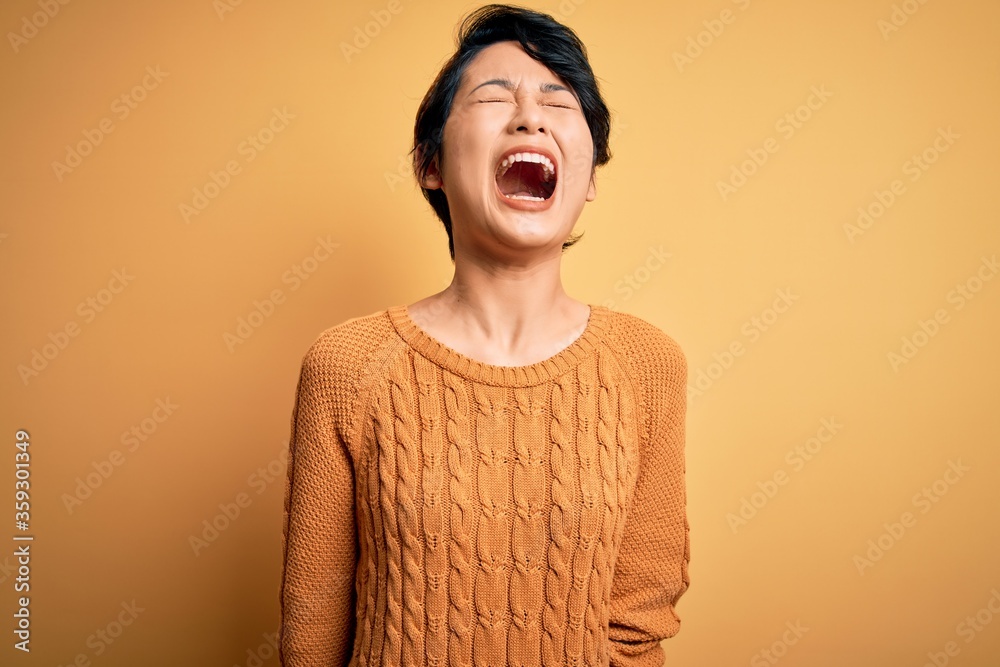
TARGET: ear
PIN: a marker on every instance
(433, 180)
(592, 191)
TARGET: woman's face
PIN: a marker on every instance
(532, 111)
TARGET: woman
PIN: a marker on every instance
(494, 474)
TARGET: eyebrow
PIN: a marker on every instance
(507, 84)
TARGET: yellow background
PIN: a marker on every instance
(337, 171)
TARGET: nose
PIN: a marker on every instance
(528, 117)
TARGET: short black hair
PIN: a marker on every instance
(543, 38)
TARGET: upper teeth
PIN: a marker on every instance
(547, 166)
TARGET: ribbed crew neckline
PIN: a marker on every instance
(503, 376)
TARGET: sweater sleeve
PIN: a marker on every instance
(319, 540)
(651, 572)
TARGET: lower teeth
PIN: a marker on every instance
(529, 198)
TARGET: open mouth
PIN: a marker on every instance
(528, 176)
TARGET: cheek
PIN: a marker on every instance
(580, 162)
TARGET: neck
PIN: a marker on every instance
(508, 306)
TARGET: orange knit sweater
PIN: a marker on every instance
(444, 511)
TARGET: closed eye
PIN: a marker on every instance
(561, 106)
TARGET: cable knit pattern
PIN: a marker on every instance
(608, 445)
(493, 543)
(436, 560)
(528, 531)
(591, 515)
(561, 518)
(444, 511)
(462, 524)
